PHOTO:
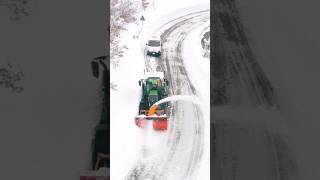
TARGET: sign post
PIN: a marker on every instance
(141, 19)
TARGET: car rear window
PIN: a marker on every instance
(154, 43)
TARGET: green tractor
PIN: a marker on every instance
(154, 88)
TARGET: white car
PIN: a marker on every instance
(154, 46)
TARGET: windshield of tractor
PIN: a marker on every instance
(154, 43)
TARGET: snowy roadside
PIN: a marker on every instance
(198, 69)
(125, 136)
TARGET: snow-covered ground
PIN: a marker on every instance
(199, 73)
(133, 148)
(46, 130)
(285, 38)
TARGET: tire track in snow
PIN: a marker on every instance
(186, 127)
(173, 61)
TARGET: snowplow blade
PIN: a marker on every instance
(159, 123)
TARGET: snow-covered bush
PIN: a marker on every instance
(205, 43)
(122, 12)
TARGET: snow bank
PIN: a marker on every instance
(125, 137)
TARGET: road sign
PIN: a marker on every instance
(142, 18)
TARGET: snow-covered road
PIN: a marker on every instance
(182, 147)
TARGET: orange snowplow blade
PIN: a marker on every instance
(157, 117)
(159, 123)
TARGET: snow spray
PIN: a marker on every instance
(189, 98)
